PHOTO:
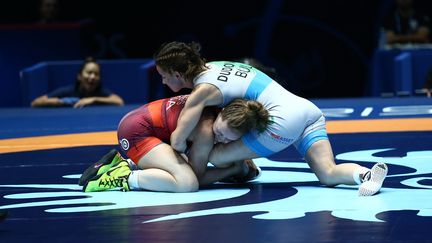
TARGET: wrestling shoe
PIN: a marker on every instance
(253, 173)
(373, 180)
(112, 158)
(115, 177)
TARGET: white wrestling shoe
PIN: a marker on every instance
(373, 180)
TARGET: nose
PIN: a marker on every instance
(92, 77)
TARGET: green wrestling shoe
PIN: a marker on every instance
(115, 177)
(109, 160)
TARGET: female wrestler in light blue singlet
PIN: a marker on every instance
(295, 120)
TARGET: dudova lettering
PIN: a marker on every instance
(228, 68)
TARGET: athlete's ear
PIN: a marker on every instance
(177, 74)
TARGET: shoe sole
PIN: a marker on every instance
(378, 174)
(91, 171)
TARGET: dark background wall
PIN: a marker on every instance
(319, 48)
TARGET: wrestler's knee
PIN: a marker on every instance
(187, 182)
(189, 185)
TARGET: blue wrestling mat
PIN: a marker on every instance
(44, 151)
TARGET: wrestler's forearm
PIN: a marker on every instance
(224, 154)
(213, 175)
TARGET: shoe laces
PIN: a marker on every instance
(112, 182)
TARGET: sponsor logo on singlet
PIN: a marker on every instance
(280, 138)
(124, 143)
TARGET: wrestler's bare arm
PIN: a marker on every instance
(202, 96)
(202, 138)
(223, 154)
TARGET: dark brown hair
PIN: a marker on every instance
(244, 115)
(87, 61)
(78, 82)
(181, 57)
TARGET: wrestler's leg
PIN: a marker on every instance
(321, 160)
(163, 169)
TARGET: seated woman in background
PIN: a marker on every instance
(87, 90)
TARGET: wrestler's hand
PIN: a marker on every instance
(177, 143)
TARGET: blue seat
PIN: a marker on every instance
(411, 70)
(399, 70)
(403, 77)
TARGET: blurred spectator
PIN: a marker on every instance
(405, 24)
(88, 90)
(48, 11)
(427, 87)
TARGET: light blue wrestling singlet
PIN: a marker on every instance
(291, 115)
